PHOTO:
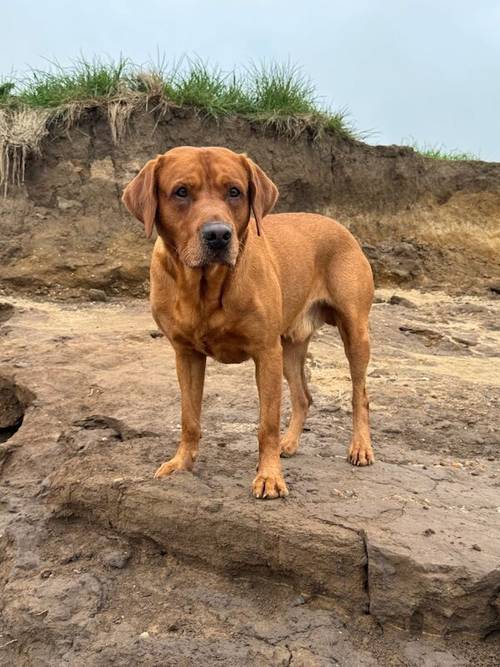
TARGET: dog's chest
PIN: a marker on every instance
(212, 332)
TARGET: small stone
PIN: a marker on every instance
(401, 274)
(301, 599)
(71, 558)
(428, 531)
(45, 574)
(476, 547)
(456, 464)
(144, 635)
(396, 300)
(467, 341)
(66, 204)
(156, 334)
(97, 295)
(117, 559)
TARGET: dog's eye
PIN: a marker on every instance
(234, 192)
(181, 192)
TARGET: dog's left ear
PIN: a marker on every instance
(263, 193)
(140, 195)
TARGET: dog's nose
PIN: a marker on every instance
(216, 235)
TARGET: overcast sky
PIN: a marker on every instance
(422, 69)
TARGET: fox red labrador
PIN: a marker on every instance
(232, 282)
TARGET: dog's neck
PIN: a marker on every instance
(205, 285)
(202, 287)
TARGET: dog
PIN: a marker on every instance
(232, 282)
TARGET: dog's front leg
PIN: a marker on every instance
(269, 482)
(191, 374)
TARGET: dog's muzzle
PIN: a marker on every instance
(216, 239)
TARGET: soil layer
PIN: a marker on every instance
(422, 222)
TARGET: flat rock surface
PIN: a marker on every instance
(397, 564)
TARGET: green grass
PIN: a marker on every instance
(282, 88)
(440, 152)
(275, 94)
(208, 88)
(83, 81)
(6, 88)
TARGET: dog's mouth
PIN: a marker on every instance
(207, 257)
(222, 256)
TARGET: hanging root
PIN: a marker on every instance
(21, 135)
(119, 113)
(22, 130)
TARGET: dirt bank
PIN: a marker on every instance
(100, 564)
(421, 221)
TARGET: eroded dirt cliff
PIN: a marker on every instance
(421, 221)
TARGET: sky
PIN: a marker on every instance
(407, 70)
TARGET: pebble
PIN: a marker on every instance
(468, 341)
(396, 300)
(97, 295)
(117, 559)
(301, 599)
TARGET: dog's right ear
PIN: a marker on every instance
(140, 196)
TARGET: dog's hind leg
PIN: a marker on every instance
(294, 357)
(355, 336)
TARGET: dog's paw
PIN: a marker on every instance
(177, 463)
(288, 446)
(269, 484)
(360, 453)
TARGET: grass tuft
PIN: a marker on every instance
(281, 89)
(208, 89)
(6, 89)
(85, 80)
(439, 152)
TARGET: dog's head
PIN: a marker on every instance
(200, 200)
